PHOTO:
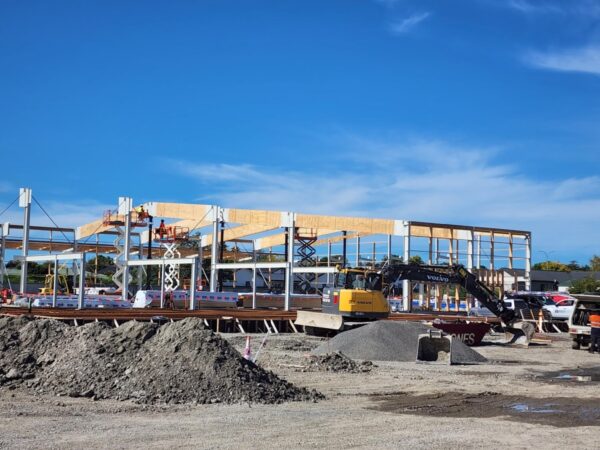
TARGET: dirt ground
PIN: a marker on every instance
(544, 396)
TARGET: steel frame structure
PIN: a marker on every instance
(266, 230)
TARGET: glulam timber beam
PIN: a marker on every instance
(230, 234)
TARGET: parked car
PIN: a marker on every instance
(481, 311)
(562, 308)
(579, 321)
(529, 306)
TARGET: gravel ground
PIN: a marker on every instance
(383, 408)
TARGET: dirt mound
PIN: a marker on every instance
(337, 362)
(387, 340)
(179, 362)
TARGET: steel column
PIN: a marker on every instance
(528, 262)
(125, 293)
(357, 261)
(289, 273)
(254, 287)
(82, 281)
(162, 285)
(214, 254)
(406, 284)
(194, 271)
(2, 253)
(55, 283)
(25, 202)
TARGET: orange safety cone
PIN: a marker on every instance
(247, 350)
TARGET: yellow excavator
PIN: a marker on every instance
(361, 294)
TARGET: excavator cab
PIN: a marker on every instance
(356, 293)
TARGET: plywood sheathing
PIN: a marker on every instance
(238, 233)
(95, 227)
(254, 217)
(180, 210)
(357, 224)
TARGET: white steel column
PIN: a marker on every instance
(141, 269)
(254, 286)
(289, 221)
(194, 271)
(406, 284)
(527, 263)
(82, 281)
(478, 253)
(328, 261)
(470, 251)
(2, 253)
(55, 283)
(214, 254)
(25, 202)
(125, 206)
(162, 285)
(389, 248)
(357, 261)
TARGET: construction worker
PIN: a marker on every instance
(594, 333)
(161, 231)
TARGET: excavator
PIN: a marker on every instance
(361, 295)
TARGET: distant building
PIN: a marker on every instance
(550, 280)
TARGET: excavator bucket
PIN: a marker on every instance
(520, 333)
(318, 320)
(434, 347)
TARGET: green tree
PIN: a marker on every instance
(551, 265)
(587, 284)
(595, 263)
(416, 259)
(574, 265)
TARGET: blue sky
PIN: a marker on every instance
(481, 112)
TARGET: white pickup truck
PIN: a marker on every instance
(561, 310)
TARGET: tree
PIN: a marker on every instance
(574, 265)
(551, 265)
(595, 263)
(416, 259)
(587, 284)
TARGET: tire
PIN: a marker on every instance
(576, 345)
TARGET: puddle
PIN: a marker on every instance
(559, 412)
(578, 375)
(545, 409)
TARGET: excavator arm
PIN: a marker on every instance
(457, 274)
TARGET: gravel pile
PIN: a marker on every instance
(338, 363)
(386, 340)
(179, 362)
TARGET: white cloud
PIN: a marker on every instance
(585, 60)
(583, 8)
(407, 24)
(531, 8)
(428, 181)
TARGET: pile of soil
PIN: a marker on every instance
(181, 362)
(387, 340)
(337, 362)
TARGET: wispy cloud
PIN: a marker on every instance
(405, 25)
(534, 8)
(425, 180)
(583, 8)
(586, 60)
